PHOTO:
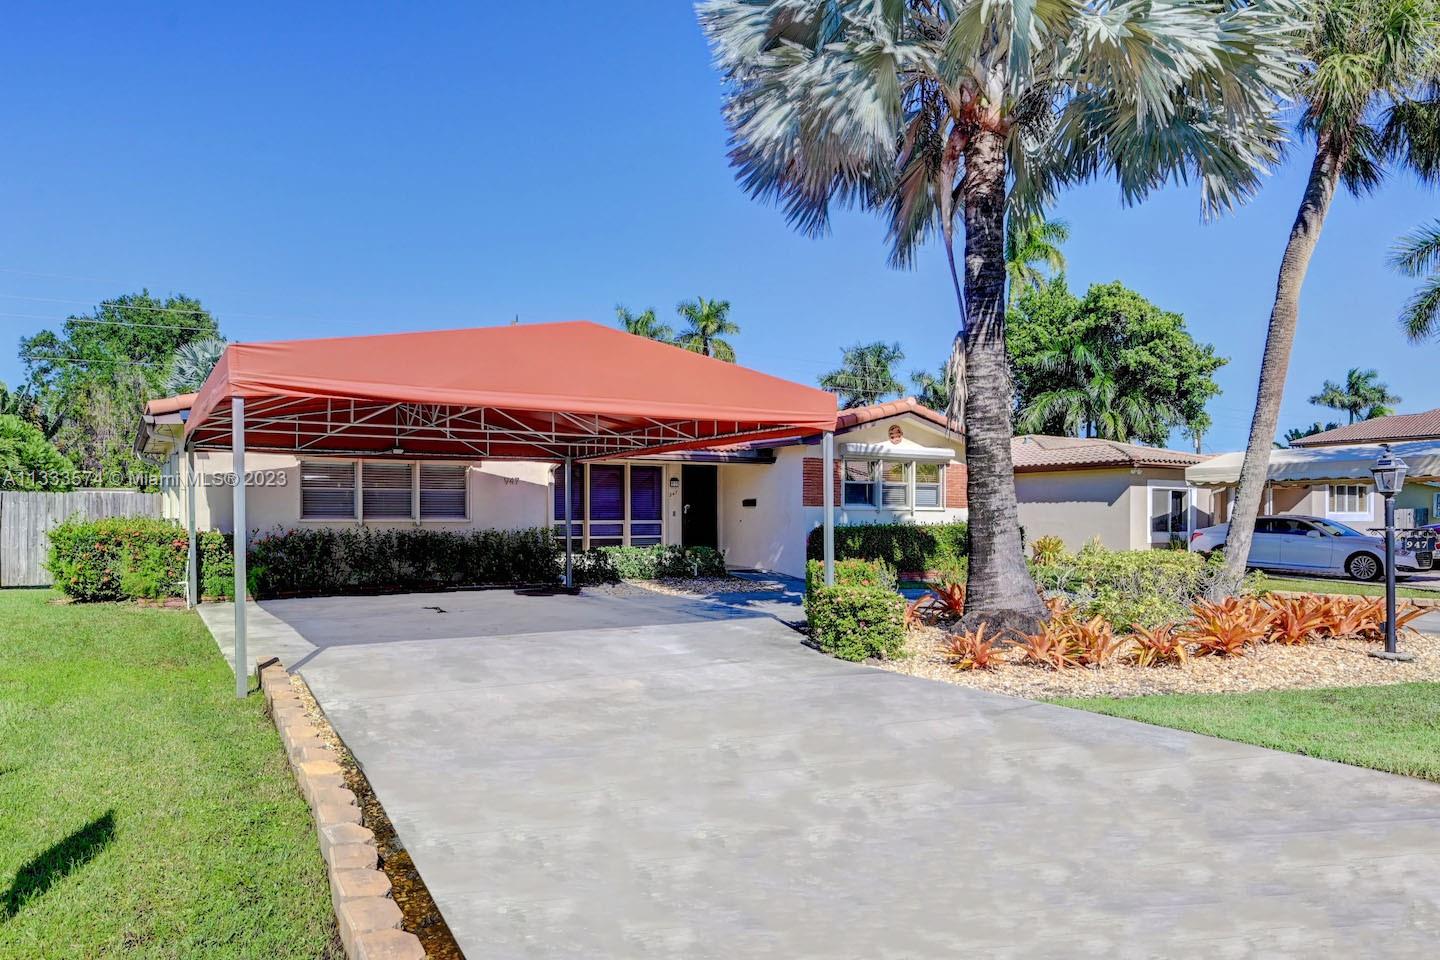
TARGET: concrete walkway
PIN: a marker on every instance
(599, 776)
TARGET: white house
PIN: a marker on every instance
(895, 462)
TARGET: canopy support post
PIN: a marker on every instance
(827, 446)
(237, 453)
(192, 568)
(569, 529)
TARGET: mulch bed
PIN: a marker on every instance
(1332, 662)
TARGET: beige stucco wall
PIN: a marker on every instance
(1112, 504)
(772, 534)
(508, 495)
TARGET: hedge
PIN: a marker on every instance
(851, 573)
(132, 557)
(856, 622)
(908, 547)
(667, 562)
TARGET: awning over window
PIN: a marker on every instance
(532, 392)
(1321, 464)
(901, 450)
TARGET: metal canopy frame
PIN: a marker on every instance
(355, 427)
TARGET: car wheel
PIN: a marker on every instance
(1364, 566)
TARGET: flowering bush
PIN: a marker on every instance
(120, 558)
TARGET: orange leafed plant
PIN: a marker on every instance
(951, 596)
(1296, 620)
(1155, 646)
(1050, 647)
(1093, 641)
(1226, 628)
(940, 601)
(1357, 616)
(972, 650)
(1405, 614)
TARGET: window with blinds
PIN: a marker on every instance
(442, 491)
(607, 506)
(646, 503)
(929, 484)
(386, 491)
(894, 486)
(327, 490)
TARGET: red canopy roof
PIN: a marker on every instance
(534, 392)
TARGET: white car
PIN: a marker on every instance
(1318, 545)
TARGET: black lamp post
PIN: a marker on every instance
(1389, 472)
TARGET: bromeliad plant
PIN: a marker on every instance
(973, 650)
(1157, 646)
(1227, 628)
(1296, 620)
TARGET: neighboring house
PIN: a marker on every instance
(1399, 428)
(1332, 481)
(1128, 496)
(895, 462)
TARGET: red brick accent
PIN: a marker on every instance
(812, 494)
(956, 476)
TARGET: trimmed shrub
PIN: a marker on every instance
(338, 561)
(851, 573)
(592, 567)
(217, 563)
(907, 547)
(1148, 587)
(118, 558)
(665, 562)
(854, 622)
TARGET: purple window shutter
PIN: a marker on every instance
(645, 487)
(577, 499)
(607, 492)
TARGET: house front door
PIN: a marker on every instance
(698, 516)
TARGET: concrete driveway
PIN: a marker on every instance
(638, 777)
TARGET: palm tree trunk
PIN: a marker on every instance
(999, 589)
(1284, 317)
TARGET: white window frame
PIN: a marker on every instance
(300, 491)
(582, 519)
(915, 485)
(1153, 536)
(357, 514)
(873, 483)
(465, 473)
(1333, 514)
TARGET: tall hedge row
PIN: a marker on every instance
(906, 547)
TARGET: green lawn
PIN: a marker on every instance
(144, 811)
(1354, 588)
(1392, 728)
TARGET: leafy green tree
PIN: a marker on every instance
(1110, 365)
(644, 324)
(192, 363)
(1362, 395)
(1032, 252)
(98, 369)
(866, 374)
(944, 113)
(28, 461)
(1366, 100)
(933, 389)
(709, 323)
(1300, 433)
(1417, 254)
(24, 404)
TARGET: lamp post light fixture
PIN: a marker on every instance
(1389, 473)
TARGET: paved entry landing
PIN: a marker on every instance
(637, 777)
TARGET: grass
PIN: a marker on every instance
(144, 811)
(1354, 588)
(1392, 728)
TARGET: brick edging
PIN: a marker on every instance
(369, 920)
(1424, 603)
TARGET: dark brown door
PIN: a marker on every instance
(697, 506)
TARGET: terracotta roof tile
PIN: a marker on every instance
(164, 405)
(1035, 452)
(859, 416)
(1401, 426)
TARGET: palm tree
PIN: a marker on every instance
(1032, 252)
(1087, 399)
(933, 389)
(1367, 62)
(933, 112)
(709, 321)
(1300, 433)
(866, 374)
(644, 325)
(1362, 395)
(1416, 255)
(192, 363)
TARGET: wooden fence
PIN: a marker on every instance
(26, 519)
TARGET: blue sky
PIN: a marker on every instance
(310, 170)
